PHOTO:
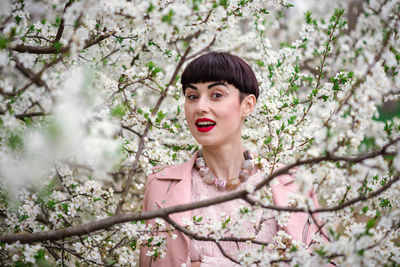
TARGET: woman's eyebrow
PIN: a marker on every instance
(215, 84)
(191, 86)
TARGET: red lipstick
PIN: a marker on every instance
(205, 124)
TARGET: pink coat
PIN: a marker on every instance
(172, 186)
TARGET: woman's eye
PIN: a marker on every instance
(191, 97)
(216, 95)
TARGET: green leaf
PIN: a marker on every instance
(118, 111)
(23, 218)
(65, 207)
(371, 223)
(151, 8)
(268, 140)
(243, 2)
(160, 116)
(388, 128)
(18, 19)
(365, 209)
(28, 121)
(133, 244)
(385, 203)
(22, 264)
(51, 204)
(244, 210)
(15, 142)
(308, 17)
(320, 251)
(153, 68)
(168, 18)
(58, 46)
(260, 63)
(58, 21)
(224, 3)
(40, 254)
(199, 219)
(3, 42)
(225, 222)
(292, 119)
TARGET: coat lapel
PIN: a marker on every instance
(179, 191)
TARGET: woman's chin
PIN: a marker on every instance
(207, 141)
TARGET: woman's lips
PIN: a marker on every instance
(205, 129)
(205, 125)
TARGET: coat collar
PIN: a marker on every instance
(177, 172)
(285, 179)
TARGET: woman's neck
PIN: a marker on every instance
(224, 161)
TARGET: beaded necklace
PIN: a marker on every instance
(221, 184)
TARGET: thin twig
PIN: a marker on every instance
(60, 29)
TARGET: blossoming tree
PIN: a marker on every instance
(90, 102)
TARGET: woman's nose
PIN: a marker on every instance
(202, 105)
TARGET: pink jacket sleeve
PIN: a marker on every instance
(301, 225)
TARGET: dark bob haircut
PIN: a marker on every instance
(221, 66)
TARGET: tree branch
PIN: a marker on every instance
(205, 49)
(359, 82)
(162, 213)
(145, 132)
(321, 67)
(53, 50)
(34, 79)
(30, 115)
(61, 26)
(192, 235)
(28, 73)
(226, 255)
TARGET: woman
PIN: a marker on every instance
(220, 92)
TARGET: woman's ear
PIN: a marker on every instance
(248, 104)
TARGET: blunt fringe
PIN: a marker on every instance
(221, 66)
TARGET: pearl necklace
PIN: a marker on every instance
(222, 184)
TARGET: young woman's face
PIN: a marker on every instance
(214, 113)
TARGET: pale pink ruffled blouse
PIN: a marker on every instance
(208, 253)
